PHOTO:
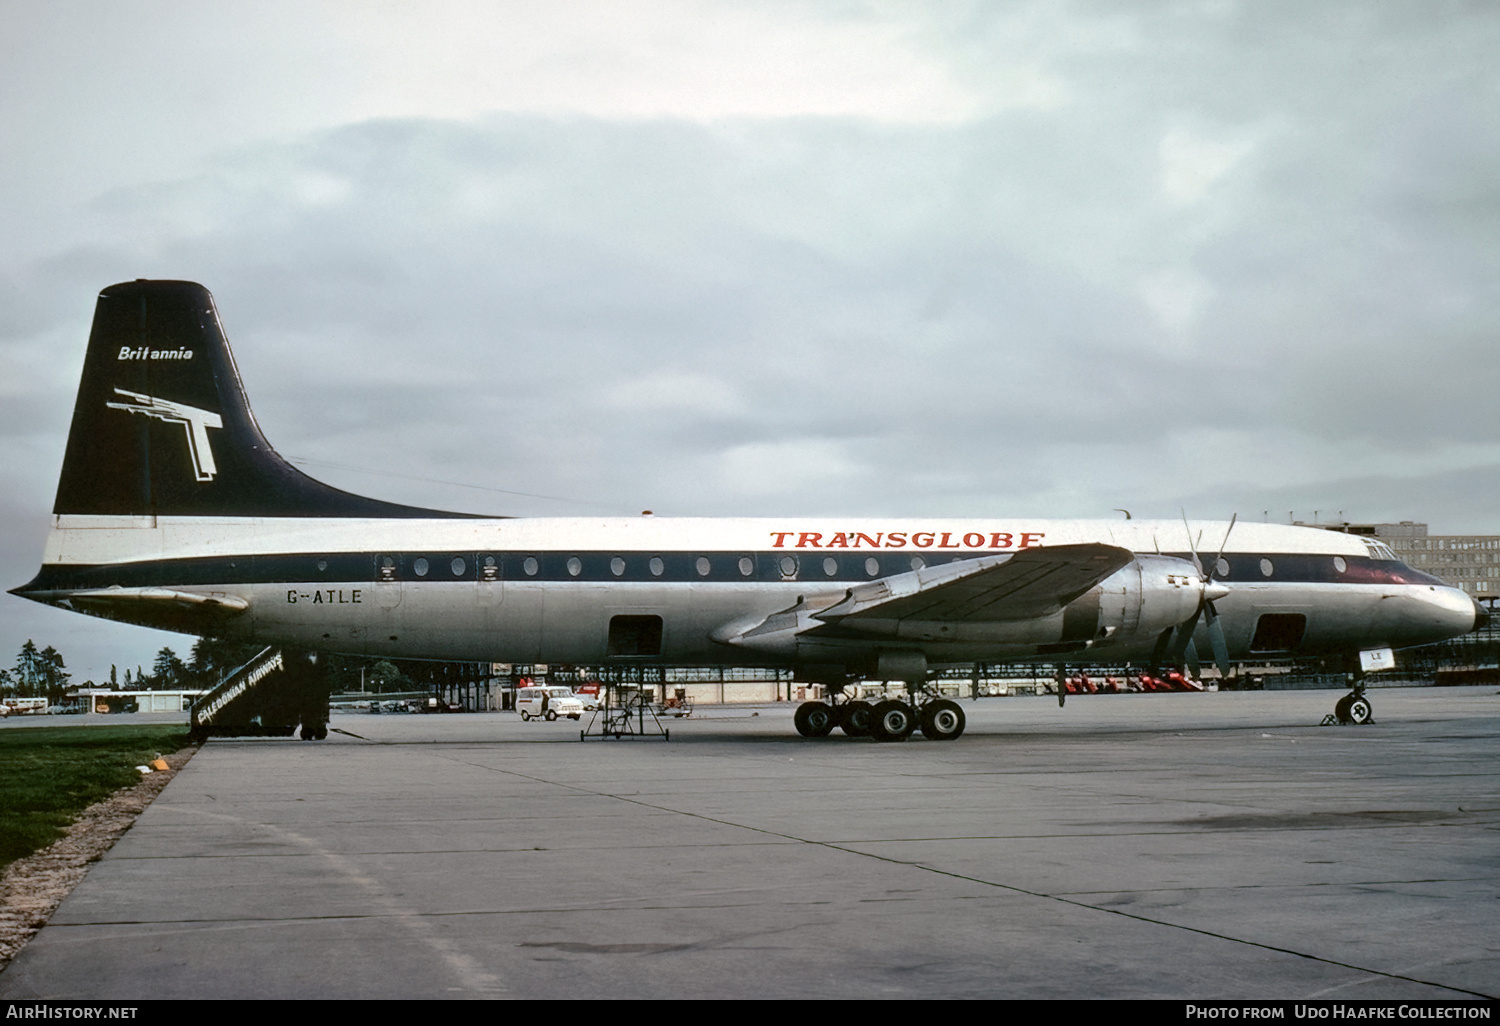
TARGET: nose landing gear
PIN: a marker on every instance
(1354, 708)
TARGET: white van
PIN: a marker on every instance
(549, 703)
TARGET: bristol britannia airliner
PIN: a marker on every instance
(174, 512)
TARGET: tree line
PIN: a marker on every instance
(41, 673)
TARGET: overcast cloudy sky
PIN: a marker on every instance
(775, 258)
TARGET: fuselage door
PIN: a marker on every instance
(487, 567)
(1278, 632)
(388, 580)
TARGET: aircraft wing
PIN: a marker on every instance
(1032, 583)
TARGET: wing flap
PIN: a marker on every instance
(1032, 583)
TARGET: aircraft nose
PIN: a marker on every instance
(1457, 611)
(1481, 615)
(1440, 614)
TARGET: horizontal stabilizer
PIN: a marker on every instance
(161, 607)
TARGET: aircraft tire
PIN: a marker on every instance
(815, 719)
(824, 719)
(893, 721)
(854, 718)
(942, 720)
(802, 719)
(1360, 710)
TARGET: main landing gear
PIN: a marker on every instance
(939, 719)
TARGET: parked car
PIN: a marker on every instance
(549, 703)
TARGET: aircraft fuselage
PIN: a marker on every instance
(552, 590)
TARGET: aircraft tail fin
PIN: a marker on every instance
(162, 426)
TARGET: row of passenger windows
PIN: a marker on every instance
(489, 568)
(787, 565)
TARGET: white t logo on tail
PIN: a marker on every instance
(196, 421)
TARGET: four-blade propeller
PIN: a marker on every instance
(1181, 649)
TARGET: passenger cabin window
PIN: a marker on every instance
(420, 567)
(617, 567)
(458, 566)
(747, 566)
(872, 566)
(788, 566)
(531, 566)
(830, 566)
(575, 566)
(657, 566)
(702, 566)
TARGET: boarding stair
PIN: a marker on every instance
(273, 693)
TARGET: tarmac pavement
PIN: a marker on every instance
(1181, 846)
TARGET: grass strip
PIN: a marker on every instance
(48, 775)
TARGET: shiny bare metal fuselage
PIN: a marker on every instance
(547, 590)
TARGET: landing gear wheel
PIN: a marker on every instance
(814, 719)
(321, 734)
(855, 718)
(893, 721)
(1354, 709)
(942, 720)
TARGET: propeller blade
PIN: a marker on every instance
(1223, 545)
(1191, 547)
(1184, 637)
(1195, 670)
(1206, 608)
(1159, 652)
(1216, 638)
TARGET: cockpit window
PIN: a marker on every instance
(1377, 549)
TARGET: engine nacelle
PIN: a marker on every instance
(1147, 597)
